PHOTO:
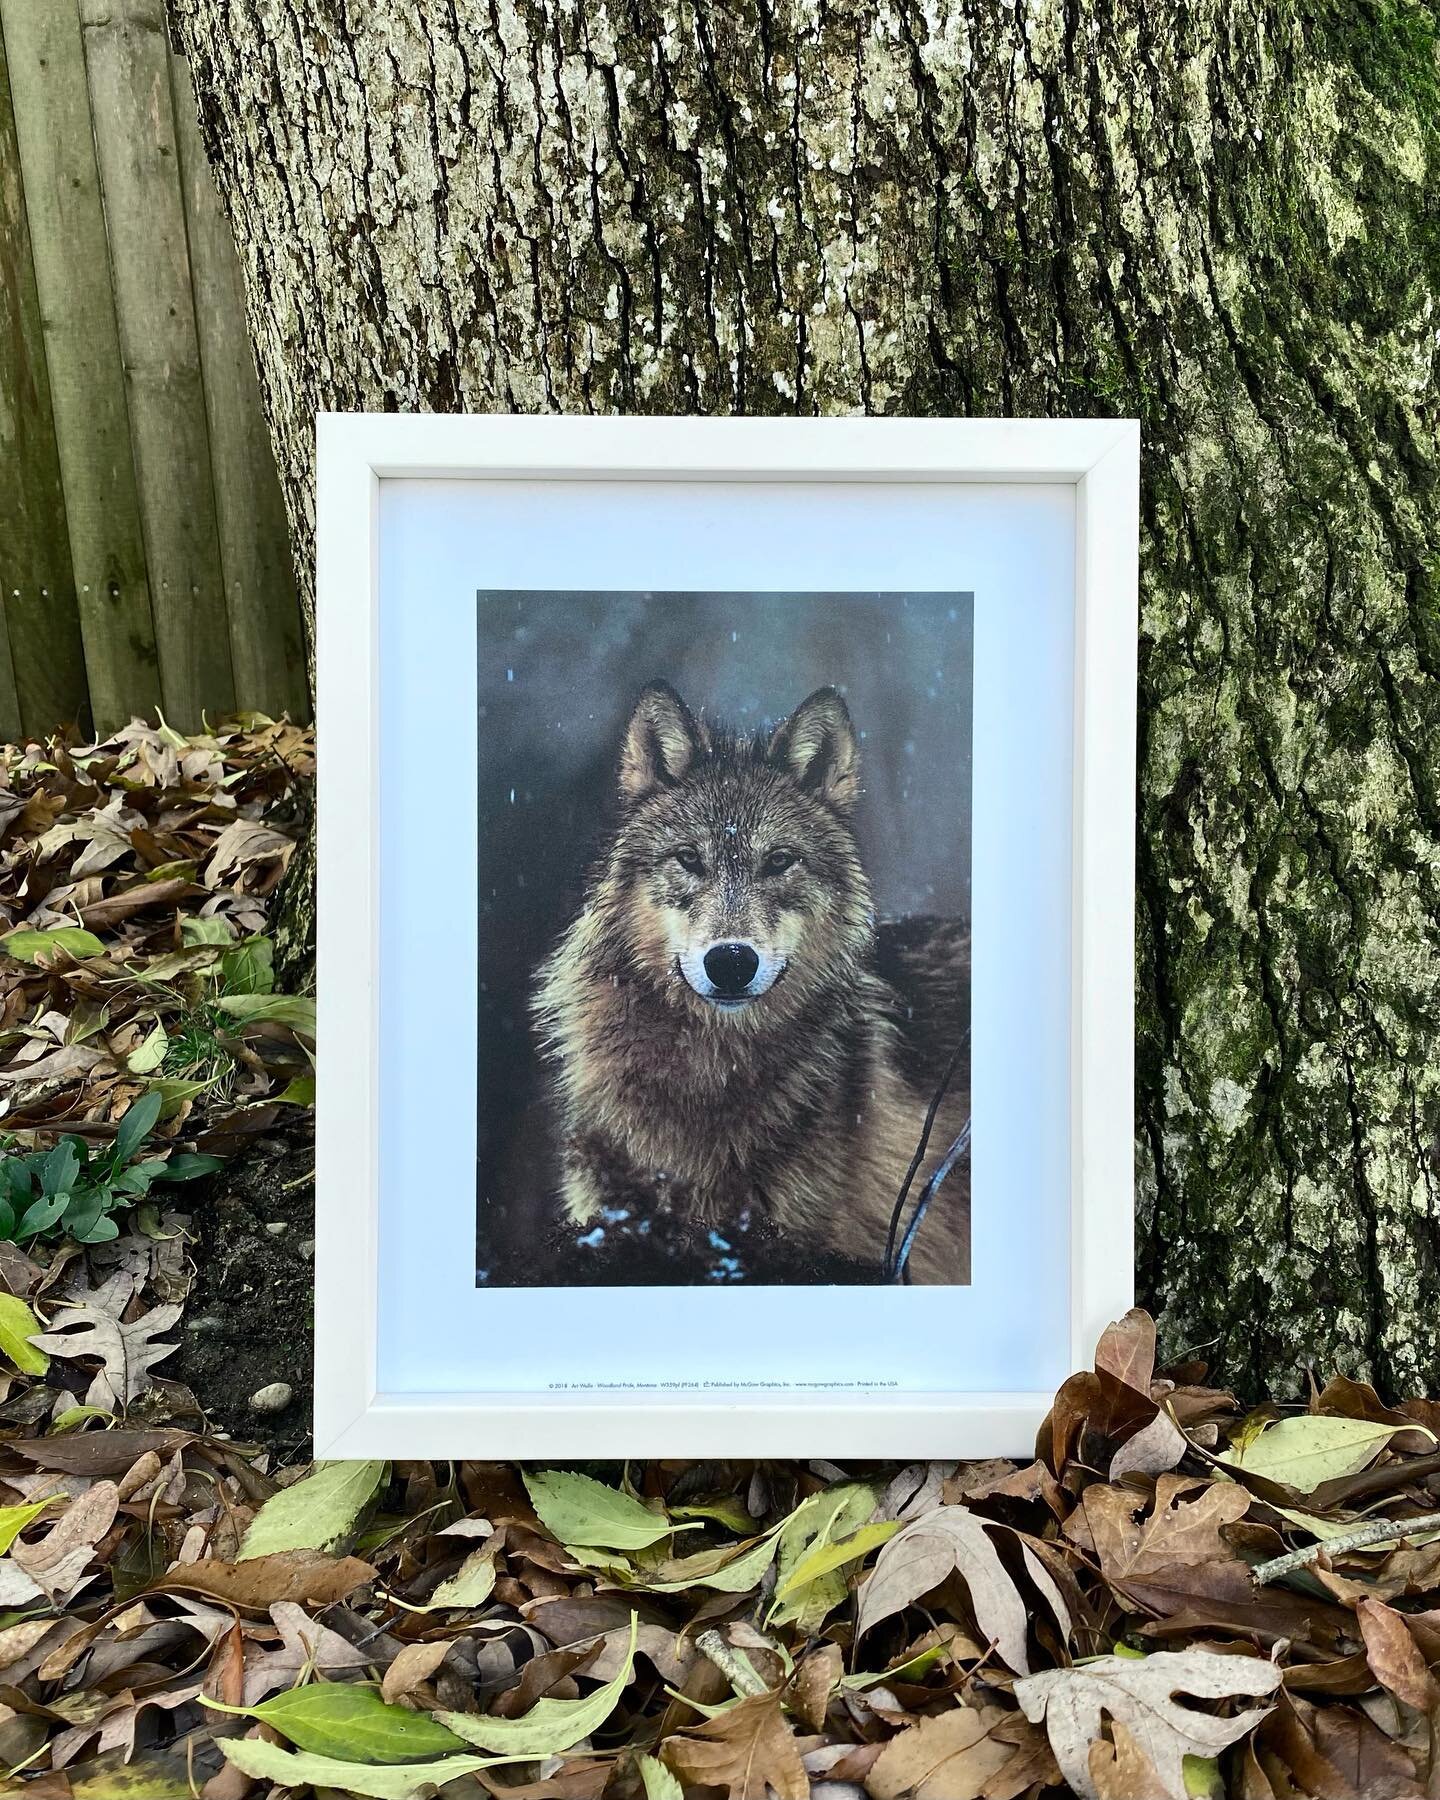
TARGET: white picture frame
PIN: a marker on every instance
(356, 454)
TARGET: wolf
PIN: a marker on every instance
(727, 1028)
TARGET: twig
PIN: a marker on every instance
(738, 1670)
(1378, 1531)
(891, 1268)
(927, 1194)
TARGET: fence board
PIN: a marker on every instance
(127, 63)
(45, 657)
(266, 641)
(82, 351)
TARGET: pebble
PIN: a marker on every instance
(272, 1398)
(306, 1246)
(207, 1325)
(277, 1227)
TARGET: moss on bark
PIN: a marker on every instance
(1219, 216)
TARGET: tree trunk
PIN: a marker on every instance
(1219, 215)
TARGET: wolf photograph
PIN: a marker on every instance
(724, 942)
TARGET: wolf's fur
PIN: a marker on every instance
(805, 1097)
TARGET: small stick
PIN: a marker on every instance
(738, 1670)
(1377, 1531)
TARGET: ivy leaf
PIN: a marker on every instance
(17, 1326)
(550, 1726)
(316, 1513)
(349, 1719)
(577, 1510)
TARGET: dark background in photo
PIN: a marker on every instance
(559, 674)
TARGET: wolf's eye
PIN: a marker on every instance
(778, 861)
(688, 858)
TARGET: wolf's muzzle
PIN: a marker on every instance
(731, 973)
(730, 968)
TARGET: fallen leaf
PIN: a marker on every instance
(18, 1329)
(58, 1562)
(317, 1512)
(1394, 1655)
(350, 1719)
(949, 1757)
(257, 1583)
(576, 1510)
(551, 1725)
(921, 1556)
(1306, 1451)
(1140, 1693)
(296, 1769)
(415, 1664)
(750, 1751)
(127, 1352)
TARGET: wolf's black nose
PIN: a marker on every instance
(731, 967)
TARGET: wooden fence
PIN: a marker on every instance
(144, 560)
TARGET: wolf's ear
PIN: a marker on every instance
(661, 741)
(817, 745)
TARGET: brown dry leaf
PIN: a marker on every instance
(1153, 1449)
(813, 1682)
(1127, 1351)
(749, 1751)
(1121, 1770)
(1140, 1692)
(919, 1557)
(127, 1352)
(58, 1561)
(1182, 1527)
(950, 1757)
(306, 1576)
(414, 1666)
(1394, 1655)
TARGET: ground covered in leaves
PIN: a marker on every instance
(1171, 1596)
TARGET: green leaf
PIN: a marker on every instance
(813, 1524)
(60, 1167)
(17, 1326)
(577, 1510)
(550, 1726)
(350, 1719)
(294, 1010)
(42, 1215)
(185, 1167)
(658, 1782)
(1305, 1451)
(470, 1585)
(300, 1092)
(288, 1769)
(317, 1512)
(29, 946)
(77, 1415)
(737, 1576)
(7, 1220)
(149, 1053)
(249, 968)
(14, 1519)
(827, 1557)
(84, 1213)
(139, 1121)
(206, 931)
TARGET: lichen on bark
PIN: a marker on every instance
(1219, 216)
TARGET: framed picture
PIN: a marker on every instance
(725, 931)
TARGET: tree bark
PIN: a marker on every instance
(1217, 215)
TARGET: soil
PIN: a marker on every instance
(249, 1319)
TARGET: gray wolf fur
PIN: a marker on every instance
(727, 1027)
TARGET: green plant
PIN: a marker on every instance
(74, 1191)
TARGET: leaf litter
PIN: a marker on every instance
(1171, 1597)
